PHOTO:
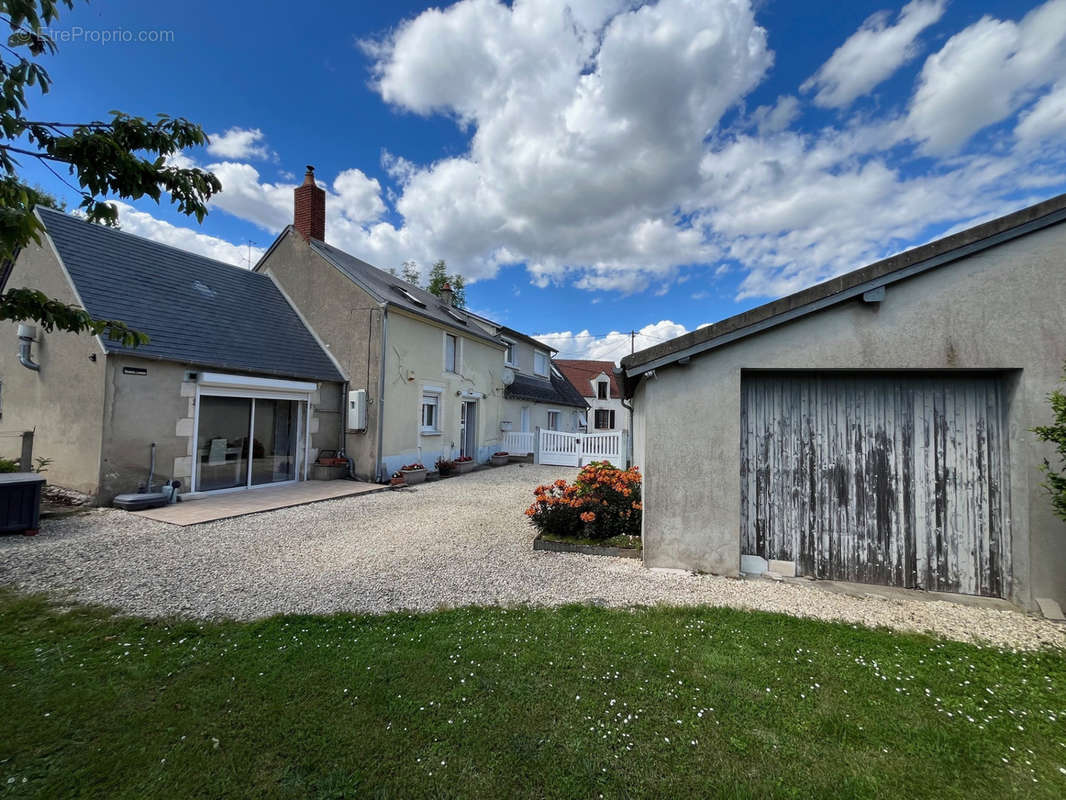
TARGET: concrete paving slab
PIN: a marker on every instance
(254, 501)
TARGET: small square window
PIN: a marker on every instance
(604, 419)
(430, 413)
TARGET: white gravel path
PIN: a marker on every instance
(456, 542)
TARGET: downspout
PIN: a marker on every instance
(27, 333)
(381, 390)
(620, 373)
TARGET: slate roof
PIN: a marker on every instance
(557, 391)
(395, 291)
(195, 309)
(846, 287)
(582, 373)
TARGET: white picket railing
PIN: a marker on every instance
(577, 449)
(603, 447)
(518, 443)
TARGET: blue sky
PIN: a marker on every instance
(593, 165)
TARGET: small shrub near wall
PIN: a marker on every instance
(602, 502)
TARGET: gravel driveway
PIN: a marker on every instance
(455, 542)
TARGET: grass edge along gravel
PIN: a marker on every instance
(491, 702)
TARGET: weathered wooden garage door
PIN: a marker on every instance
(890, 479)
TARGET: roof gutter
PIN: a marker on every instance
(634, 371)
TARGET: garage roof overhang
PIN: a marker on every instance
(870, 281)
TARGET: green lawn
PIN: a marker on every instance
(576, 702)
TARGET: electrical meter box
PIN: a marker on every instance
(357, 410)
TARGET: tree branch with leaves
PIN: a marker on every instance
(1055, 434)
(124, 156)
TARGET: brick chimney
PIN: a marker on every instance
(447, 296)
(309, 208)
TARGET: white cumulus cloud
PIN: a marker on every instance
(610, 346)
(239, 143)
(985, 73)
(143, 224)
(871, 54)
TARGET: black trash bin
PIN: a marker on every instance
(20, 502)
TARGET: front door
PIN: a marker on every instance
(468, 429)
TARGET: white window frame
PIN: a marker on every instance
(558, 419)
(458, 365)
(547, 363)
(436, 394)
(512, 348)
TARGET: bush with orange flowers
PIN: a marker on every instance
(604, 501)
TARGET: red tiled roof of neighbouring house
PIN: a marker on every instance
(582, 373)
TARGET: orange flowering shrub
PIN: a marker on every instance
(603, 502)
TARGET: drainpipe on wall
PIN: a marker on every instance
(27, 333)
(381, 392)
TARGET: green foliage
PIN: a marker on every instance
(602, 503)
(40, 464)
(409, 272)
(124, 156)
(438, 276)
(9, 465)
(1056, 434)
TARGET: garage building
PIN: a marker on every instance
(873, 428)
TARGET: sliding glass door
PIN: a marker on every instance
(274, 442)
(246, 441)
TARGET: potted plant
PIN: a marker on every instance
(397, 481)
(413, 474)
(500, 458)
(445, 466)
(464, 464)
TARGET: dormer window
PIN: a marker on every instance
(510, 355)
(540, 363)
(601, 390)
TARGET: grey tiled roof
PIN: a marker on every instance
(388, 288)
(196, 310)
(538, 390)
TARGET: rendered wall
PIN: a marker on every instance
(347, 320)
(63, 402)
(1002, 309)
(160, 407)
(414, 362)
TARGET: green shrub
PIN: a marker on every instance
(602, 503)
(1056, 435)
(9, 465)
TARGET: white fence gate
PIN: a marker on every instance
(577, 449)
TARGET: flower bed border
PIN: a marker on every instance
(541, 543)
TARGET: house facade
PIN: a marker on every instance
(426, 380)
(873, 428)
(232, 391)
(598, 385)
(537, 395)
